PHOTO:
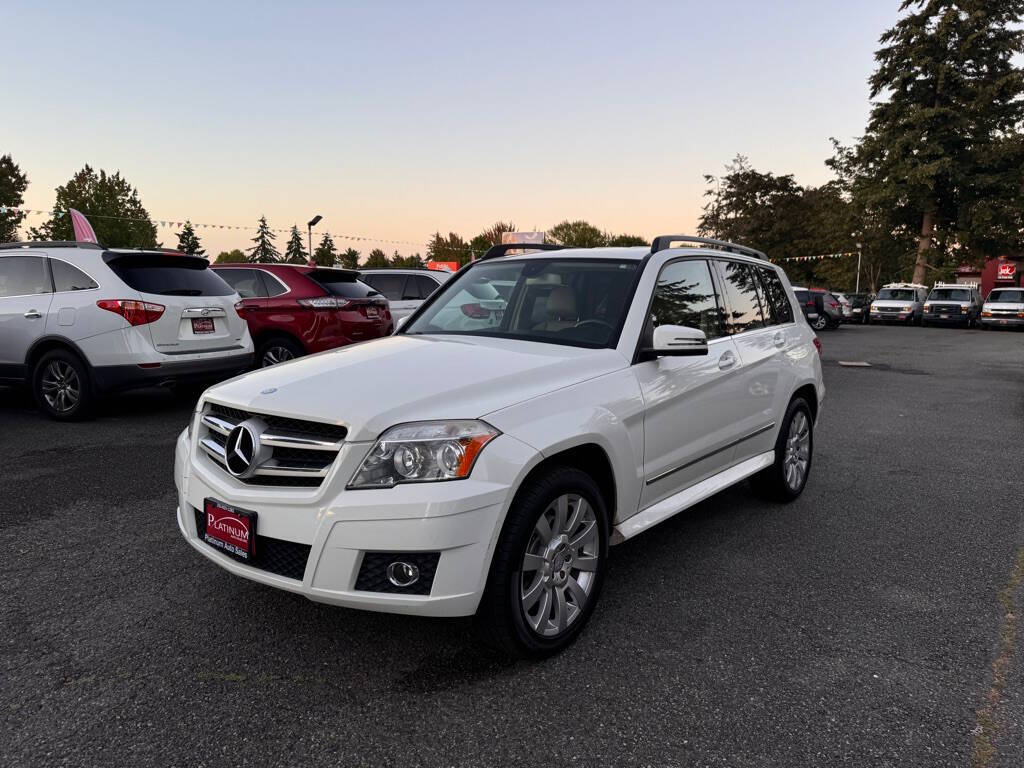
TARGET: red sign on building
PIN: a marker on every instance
(1007, 270)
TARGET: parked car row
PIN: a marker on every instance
(78, 321)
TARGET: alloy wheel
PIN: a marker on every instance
(798, 450)
(559, 568)
(276, 354)
(62, 389)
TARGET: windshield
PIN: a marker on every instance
(896, 294)
(1012, 296)
(579, 302)
(950, 294)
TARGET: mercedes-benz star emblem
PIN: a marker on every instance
(240, 450)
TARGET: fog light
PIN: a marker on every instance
(403, 574)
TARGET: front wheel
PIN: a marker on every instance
(786, 478)
(548, 566)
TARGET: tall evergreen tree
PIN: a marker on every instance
(13, 184)
(188, 241)
(377, 260)
(944, 134)
(326, 254)
(349, 258)
(264, 251)
(295, 251)
(112, 206)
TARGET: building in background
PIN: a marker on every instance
(1004, 272)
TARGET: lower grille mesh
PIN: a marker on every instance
(285, 558)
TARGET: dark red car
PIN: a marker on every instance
(295, 310)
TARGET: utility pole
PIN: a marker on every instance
(312, 223)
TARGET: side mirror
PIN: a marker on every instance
(402, 321)
(678, 341)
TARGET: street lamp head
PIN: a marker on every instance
(315, 220)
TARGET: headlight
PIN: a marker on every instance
(873, 308)
(927, 307)
(907, 309)
(423, 452)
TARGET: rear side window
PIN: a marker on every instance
(167, 275)
(392, 286)
(342, 285)
(743, 308)
(23, 276)
(271, 284)
(427, 286)
(246, 282)
(782, 309)
(69, 278)
(685, 296)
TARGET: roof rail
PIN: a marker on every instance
(664, 242)
(500, 250)
(905, 285)
(49, 244)
(941, 284)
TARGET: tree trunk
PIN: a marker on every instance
(924, 244)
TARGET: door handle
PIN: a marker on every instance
(726, 361)
(779, 339)
(33, 314)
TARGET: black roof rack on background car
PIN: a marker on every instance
(49, 244)
(500, 250)
(664, 242)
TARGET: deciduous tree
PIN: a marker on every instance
(349, 258)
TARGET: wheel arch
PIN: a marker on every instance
(267, 334)
(48, 344)
(808, 392)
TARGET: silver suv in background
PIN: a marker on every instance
(899, 303)
(1004, 308)
(78, 320)
(405, 289)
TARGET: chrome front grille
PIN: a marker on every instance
(286, 451)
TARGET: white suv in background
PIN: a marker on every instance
(78, 320)
(487, 470)
(405, 289)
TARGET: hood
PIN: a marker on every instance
(371, 386)
(1015, 305)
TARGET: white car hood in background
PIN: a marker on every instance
(1004, 305)
(372, 386)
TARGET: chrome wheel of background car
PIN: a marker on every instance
(559, 568)
(798, 450)
(61, 386)
(276, 354)
(819, 323)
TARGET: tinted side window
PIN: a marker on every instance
(741, 300)
(272, 285)
(23, 276)
(427, 286)
(685, 295)
(391, 286)
(69, 278)
(350, 289)
(246, 282)
(782, 309)
(412, 292)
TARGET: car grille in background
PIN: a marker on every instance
(302, 452)
(889, 309)
(285, 558)
(946, 308)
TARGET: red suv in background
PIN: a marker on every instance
(293, 310)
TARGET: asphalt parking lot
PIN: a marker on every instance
(872, 622)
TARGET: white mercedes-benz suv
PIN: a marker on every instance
(482, 462)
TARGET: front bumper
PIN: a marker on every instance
(113, 378)
(951, 318)
(1002, 322)
(460, 520)
(891, 317)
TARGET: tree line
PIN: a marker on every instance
(935, 181)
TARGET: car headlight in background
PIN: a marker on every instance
(927, 307)
(906, 309)
(423, 452)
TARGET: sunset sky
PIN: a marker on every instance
(396, 119)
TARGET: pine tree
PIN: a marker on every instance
(188, 241)
(349, 258)
(112, 205)
(941, 142)
(326, 254)
(13, 184)
(264, 251)
(295, 251)
(377, 260)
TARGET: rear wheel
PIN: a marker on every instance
(820, 323)
(277, 349)
(62, 387)
(548, 566)
(786, 478)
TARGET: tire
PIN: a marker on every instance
(775, 482)
(820, 323)
(277, 349)
(519, 613)
(62, 386)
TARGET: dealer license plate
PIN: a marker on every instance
(230, 529)
(202, 325)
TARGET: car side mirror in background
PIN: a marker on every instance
(677, 341)
(401, 322)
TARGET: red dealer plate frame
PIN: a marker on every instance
(203, 325)
(229, 529)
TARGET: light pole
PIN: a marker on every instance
(312, 223)
(858, 269)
